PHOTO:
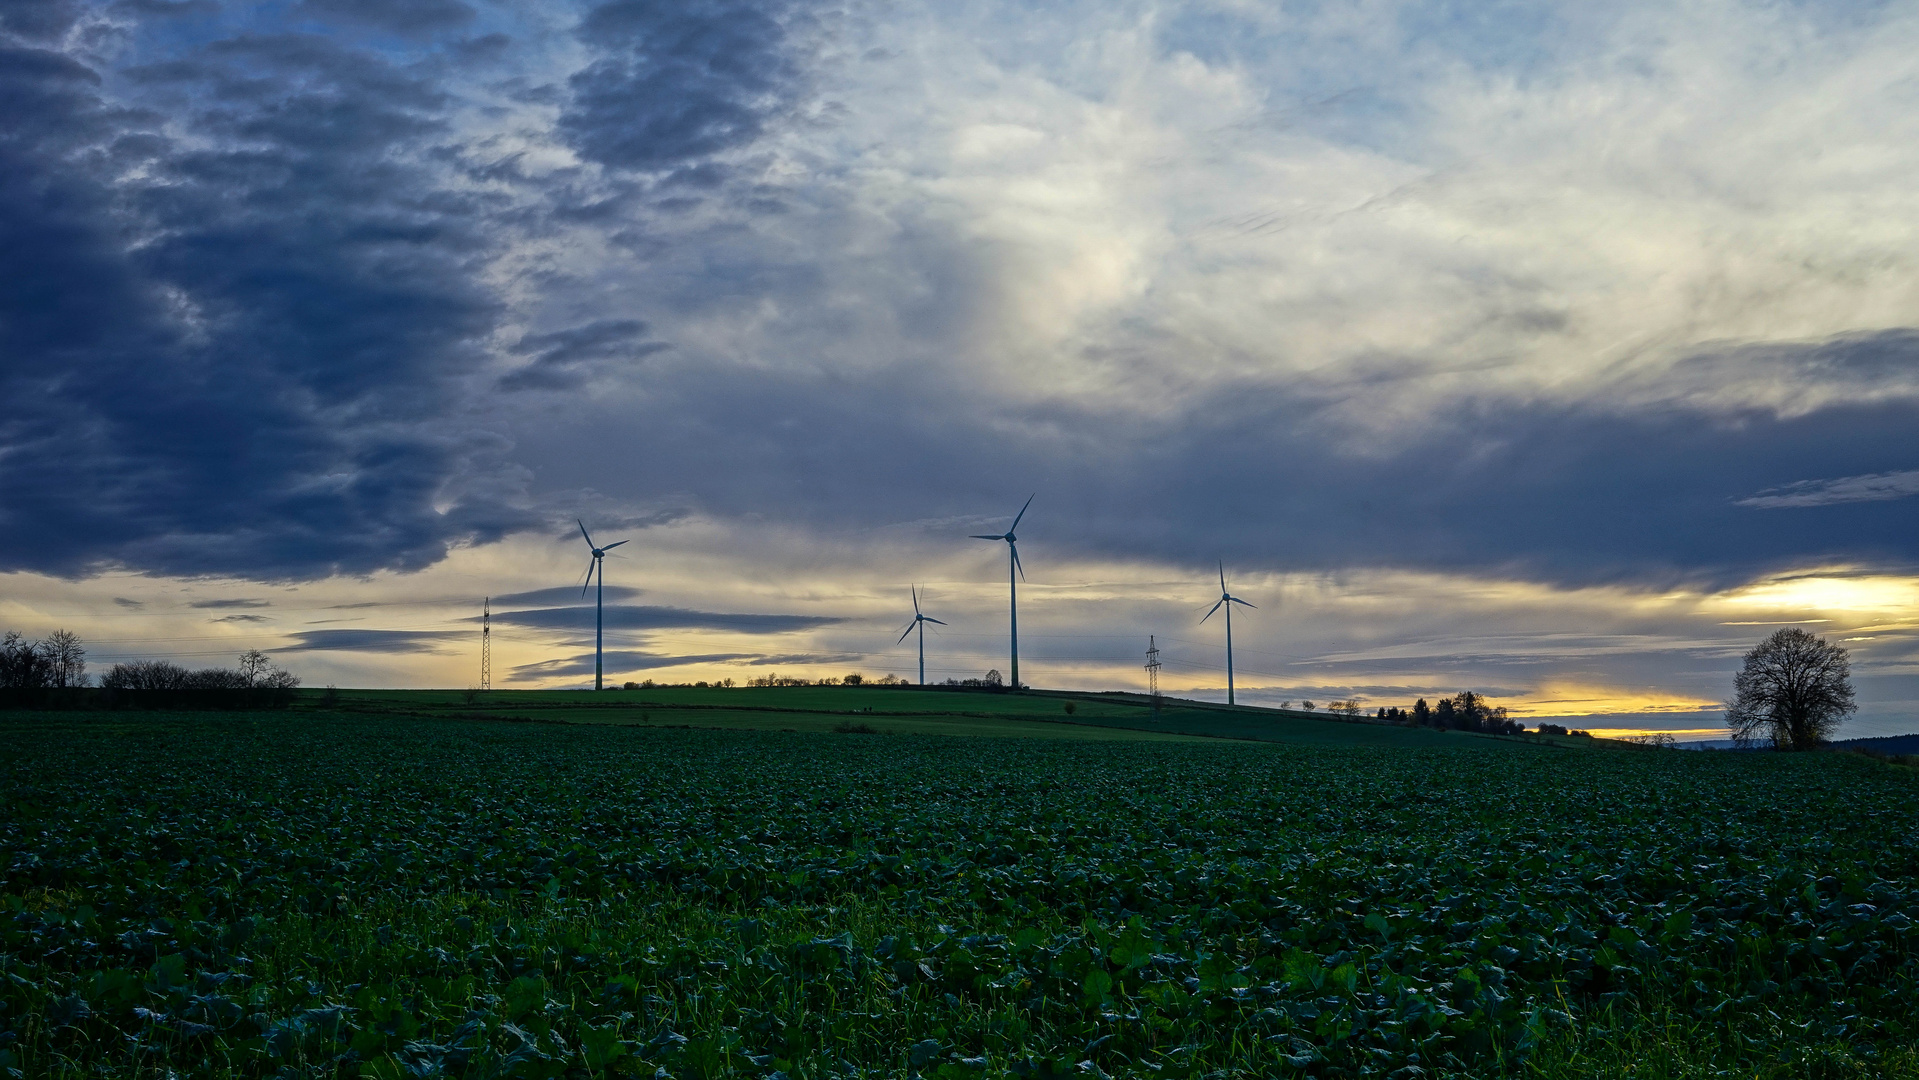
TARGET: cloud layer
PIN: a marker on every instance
(1876, 487)
(643, 617)
(1574, 296)
(241, 299)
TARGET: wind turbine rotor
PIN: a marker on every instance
(1021, 514)
(1011, 536)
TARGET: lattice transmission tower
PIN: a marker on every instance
(486, 644)
(1152, 673)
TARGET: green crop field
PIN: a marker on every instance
(930, 711)
(377, 893)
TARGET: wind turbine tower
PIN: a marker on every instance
(1227, 600)
(1012, 583)
(919, 623)
(599, 598)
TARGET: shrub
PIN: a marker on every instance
(146, 675)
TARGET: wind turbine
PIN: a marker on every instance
(599, 598)
(1012, 586)
(919, 623)
(1227, 600)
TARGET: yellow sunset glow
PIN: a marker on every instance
(1876, 596)
(1680, 733)
(1572, 699)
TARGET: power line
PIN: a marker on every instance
(1152, 673)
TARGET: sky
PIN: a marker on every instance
(1556, 351)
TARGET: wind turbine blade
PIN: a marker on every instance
(1222, 577)
(931, 619)
(983, 536)
(1022, 513)
(1242, 603)
(588, 583)
(1016, 562)
(583, 532)
(908, 630)
(1209, 614)
(613, 545)
(916, 599)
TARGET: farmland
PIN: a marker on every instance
(917, 711)
(396, 894)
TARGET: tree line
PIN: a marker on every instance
(254, 672)
(59, 661)
(1464, 711)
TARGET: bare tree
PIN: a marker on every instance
(280, 679)
(23, 664)
(254, 664)
(1793, 692)
(66, 658)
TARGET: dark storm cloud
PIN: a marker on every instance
(565, 359)
(1878, 487)
(165, 8)
(229, 352)
(37, 20)
(641, 617)
(677, 82)
(561, 594)
(1580, 493)
(408, 18)
(810, 658)
(616, 662)
(383, 641)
